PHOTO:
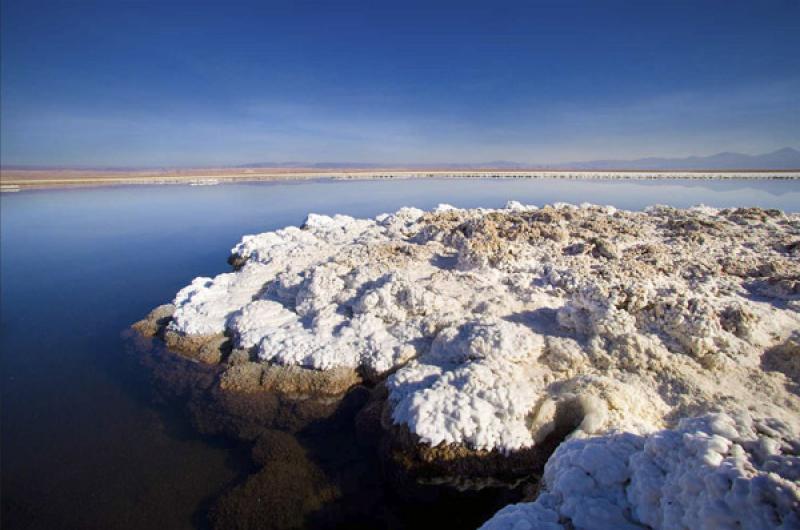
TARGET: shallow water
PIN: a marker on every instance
(84, 444)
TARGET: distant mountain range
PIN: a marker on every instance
(786, 158)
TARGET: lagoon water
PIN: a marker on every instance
(84, 443)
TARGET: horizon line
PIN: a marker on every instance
(505, 165)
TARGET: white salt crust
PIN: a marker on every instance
(496, 325)
(717, 472)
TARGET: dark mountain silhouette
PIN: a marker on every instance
(786, 158)
(782, 159)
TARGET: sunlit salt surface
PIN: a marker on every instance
(84, 444)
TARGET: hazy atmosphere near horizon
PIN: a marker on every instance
(137, 84)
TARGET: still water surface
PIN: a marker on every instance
(83, 443)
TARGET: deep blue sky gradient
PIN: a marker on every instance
(205, 83)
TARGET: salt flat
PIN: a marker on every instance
(25, 179)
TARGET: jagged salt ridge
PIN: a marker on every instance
(497, 326)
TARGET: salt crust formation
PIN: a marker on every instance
(713, 472)
(490, 330)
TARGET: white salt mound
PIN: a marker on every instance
(713, 472)
(496, 328)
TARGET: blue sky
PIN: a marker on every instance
(118, 83)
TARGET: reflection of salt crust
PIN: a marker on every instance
(499, 325)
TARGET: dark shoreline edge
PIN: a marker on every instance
(326, 463)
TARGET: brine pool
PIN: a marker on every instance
(85, 441)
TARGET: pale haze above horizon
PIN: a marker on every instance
(106, 83)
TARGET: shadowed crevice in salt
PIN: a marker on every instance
(543, 321)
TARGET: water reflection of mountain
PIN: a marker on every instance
(776, 187)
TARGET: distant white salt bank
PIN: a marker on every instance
(9, 188)
(67, 178)
(493, 329)
(574, 175)
(204, 182)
